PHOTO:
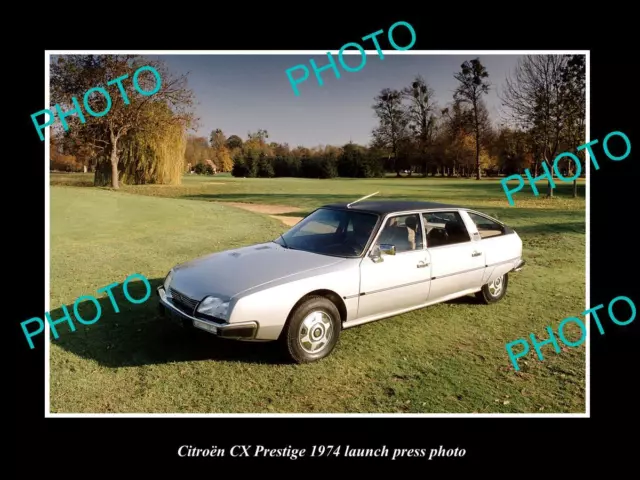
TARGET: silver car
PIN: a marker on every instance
(341, 266)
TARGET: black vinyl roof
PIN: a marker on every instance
(390, 206)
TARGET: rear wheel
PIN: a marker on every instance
(493, 291)
(313, 330)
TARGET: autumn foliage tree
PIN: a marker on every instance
(221, 150)
(59, 160)
(197, 150)
(224, 160)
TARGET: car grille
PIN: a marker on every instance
(184, 303)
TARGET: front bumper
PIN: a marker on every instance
(520, 266)
(238, 331)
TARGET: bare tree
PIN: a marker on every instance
(574, 83)
(535, 99)
(217, 139)
(393, 123)
(421, 115)
(472, 86)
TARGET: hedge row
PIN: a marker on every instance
(353, 165)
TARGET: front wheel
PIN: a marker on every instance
(313, 330)
(493, 291)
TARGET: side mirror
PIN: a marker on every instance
(378, 250)
(388, 249)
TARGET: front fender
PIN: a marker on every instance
(271, 306)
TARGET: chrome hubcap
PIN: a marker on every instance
(315, 332)
(495, 287)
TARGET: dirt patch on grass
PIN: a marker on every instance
(274, 211)
(263, 208)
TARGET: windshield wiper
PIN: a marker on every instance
(284, 241)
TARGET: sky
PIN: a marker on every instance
(242, 93)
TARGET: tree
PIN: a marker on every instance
(281, 149)
(534, 99)
(224, 160)
(472, 86)
(301, 152)
(197, 150)
(458, 124)
(221, 151)
(256, 144)
(73, 75)
(264, 167)
(512, 149)
(393, 123)
(70, 146)
(234, 141)
(151, 155)
(574, 96)
(259, 136)
(217, 139)
(59, 161)
(421, 115)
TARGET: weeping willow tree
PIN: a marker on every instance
(154, 153)
(156, 157)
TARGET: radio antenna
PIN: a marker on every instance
(360, 199)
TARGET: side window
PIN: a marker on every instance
(445, 228)
(487, 228)
(405, 232)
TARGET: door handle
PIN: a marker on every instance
(475, 254)
(422, 264)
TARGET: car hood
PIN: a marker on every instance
(231, 272)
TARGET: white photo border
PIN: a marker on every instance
(47, 223)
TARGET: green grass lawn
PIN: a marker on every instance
(445, 358)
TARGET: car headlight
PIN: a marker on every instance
(167, 281)
(214, 307)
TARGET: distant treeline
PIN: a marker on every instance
(353, 161)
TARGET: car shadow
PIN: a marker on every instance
(139, 335)
(466, 300)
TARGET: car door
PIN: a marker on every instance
(457, 261)
(390, 283)
(500, 244)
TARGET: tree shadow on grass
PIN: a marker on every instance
(275, 198)
(139, 335)
(450, 193)
(300, 200)
(552, 228)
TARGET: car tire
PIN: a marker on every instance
(315, 320)
(494, 291)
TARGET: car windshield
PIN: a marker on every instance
(340, 233)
